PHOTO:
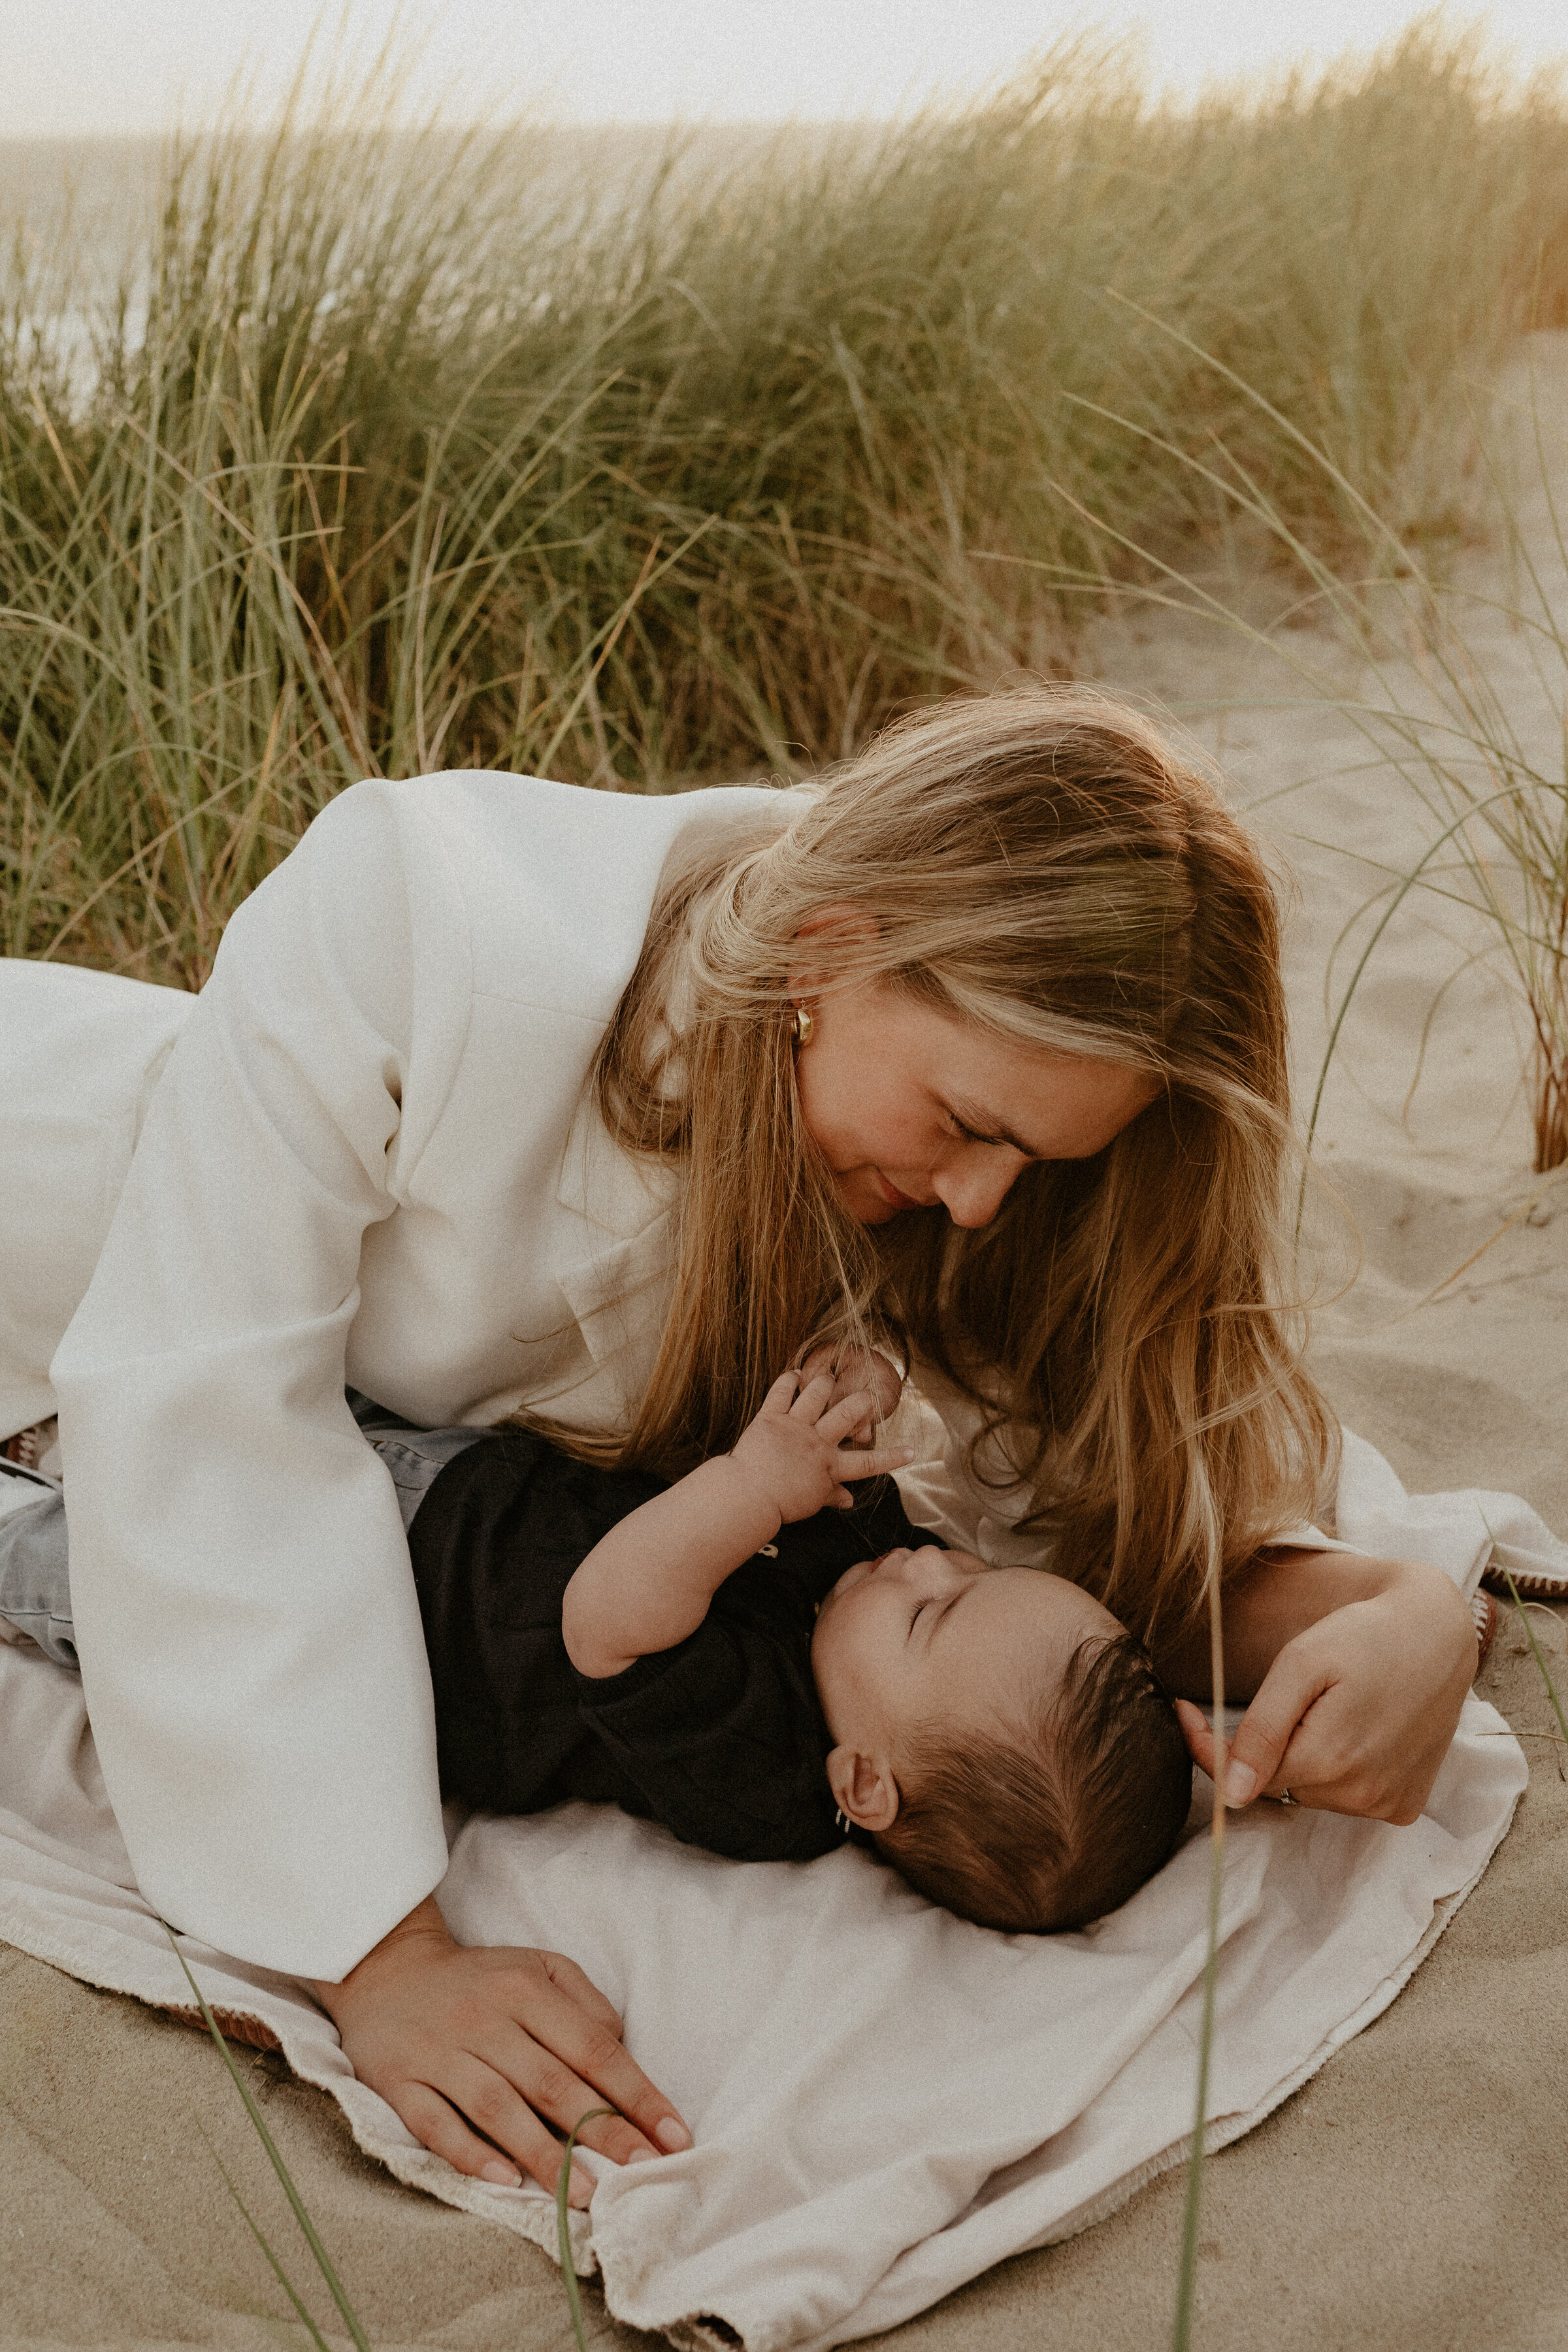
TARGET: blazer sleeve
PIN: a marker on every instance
(245, 1612)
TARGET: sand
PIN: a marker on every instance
(1416, 2194)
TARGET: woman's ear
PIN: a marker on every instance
(832, 927)
(864, 1789)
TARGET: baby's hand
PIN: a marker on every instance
(857, 1368)
(797, 1452)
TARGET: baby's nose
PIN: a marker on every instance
(932, 1560)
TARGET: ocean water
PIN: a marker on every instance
(79, 217)
(105, 192)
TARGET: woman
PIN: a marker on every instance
(505, 1100)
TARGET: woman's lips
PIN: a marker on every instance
(892, 1194)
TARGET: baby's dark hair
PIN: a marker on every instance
(1066, 1823)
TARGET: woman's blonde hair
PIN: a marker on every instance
(1042, 863)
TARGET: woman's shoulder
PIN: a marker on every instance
(555, 882)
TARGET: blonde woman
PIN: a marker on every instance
(507, 1099)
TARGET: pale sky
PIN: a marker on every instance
(81, 67)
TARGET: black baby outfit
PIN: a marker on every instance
(721, 1737)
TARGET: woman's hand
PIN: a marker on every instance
(1357, 1710)
(852, 1370)
(463, 2041)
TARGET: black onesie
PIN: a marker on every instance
(721, 1737)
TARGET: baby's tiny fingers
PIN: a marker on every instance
(782, 1395)
(811, 1404)
(879, 1462)
(851, 1412)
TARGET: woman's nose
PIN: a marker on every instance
(974, 1187)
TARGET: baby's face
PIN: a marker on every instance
(919, 1639)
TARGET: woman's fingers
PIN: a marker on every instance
(439, 2125)
(1356, 1713)
(569, 1978)
(506, 2042)
(1292, 1688)
(1262, 1738)
(511, 2099)
(583, 2055)
(498, 2087)
(857, 1368)
(1197, 1729)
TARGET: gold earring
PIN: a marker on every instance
(803, 1025)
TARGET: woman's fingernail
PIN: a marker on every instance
(1240, 1782)
(672, 2137)
(503, 2176)
(582, 2189)
(641, 2155)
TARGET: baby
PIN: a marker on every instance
(751, 1659)
(763, 1667)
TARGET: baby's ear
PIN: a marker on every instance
(864, 1789)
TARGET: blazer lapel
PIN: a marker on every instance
(613, 1266)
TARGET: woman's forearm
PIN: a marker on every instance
(1282, 1594)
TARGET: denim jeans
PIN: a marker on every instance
(34, 1557)
(35, 1581)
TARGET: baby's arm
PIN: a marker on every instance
(647, 1584)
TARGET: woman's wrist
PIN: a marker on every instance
(1284, 1594)
(424, 1925)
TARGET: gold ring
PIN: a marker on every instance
(1285, 1798)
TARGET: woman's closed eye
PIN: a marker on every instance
(967, 1134)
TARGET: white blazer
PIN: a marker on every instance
(364, 1152)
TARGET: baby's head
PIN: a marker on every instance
(1002, 1737)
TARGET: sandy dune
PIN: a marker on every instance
(1427, 1144)
(1417, 2193)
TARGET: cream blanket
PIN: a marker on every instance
(886, 2100)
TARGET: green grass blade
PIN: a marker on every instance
(1535, 1648)
(284, 2281)
(1187, 2278)
(301, 2214)
(563, 2225)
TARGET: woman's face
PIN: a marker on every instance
(915, 1108)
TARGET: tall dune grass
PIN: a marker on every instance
(401, 451)
(1479, 743)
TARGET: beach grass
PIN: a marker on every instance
(300, 2209)
(402, 449)
(1477, 738)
